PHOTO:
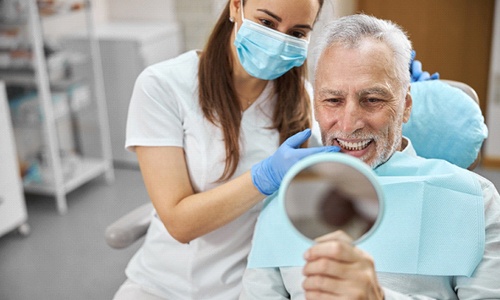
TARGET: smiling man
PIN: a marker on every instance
(362, 97)
(450, 245)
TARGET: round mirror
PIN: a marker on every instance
(328, 192)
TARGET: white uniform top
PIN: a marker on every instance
(165, 111)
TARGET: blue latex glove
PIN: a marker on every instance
(268, 174)
(416, 70)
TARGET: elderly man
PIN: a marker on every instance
(362, 98)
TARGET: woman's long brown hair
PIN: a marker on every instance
(220, 104)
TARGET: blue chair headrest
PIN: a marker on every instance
(445, 123)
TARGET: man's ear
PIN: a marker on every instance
(408, 104)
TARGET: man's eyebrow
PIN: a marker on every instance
(330, 92)
(375, 90)
(279, 19)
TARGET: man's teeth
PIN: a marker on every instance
(354, 146)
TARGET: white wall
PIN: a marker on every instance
(492, 146)
(196, 17)
(100, 11)
(64, 24)
(140, 10)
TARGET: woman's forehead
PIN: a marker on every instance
(296, 11)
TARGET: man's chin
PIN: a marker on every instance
(380, 160)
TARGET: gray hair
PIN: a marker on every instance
(350, 30)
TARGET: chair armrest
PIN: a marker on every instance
(129, 228)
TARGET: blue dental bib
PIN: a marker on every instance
(433, 222)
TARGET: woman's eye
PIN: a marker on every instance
(267, 23)
(298, 34)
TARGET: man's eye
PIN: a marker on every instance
(373, 100)
(332, 100)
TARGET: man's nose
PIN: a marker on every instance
(352, 118)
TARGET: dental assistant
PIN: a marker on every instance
(207, 128)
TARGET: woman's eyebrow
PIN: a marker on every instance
(270, 14)
(274, 16)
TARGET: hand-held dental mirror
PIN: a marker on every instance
(326, 192)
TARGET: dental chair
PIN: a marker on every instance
(446, 123)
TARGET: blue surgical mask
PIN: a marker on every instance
(266, 53)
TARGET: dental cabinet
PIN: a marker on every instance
(127, 47)
(13, 212)
(58, 112)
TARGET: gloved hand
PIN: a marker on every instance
(268, 174)
(416, 70)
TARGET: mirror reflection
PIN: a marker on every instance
(329, 196)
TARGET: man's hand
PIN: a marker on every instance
(337, 269)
